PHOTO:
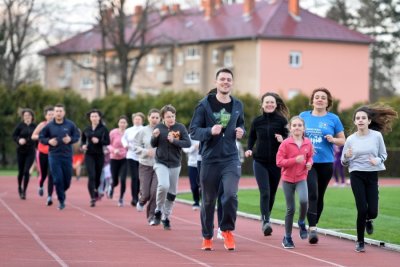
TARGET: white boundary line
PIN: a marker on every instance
(34, 235)
(272, 246)
(330, 232)
(141, 236)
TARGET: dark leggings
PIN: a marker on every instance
(194, 184)
(25, 161)
(45, 171)
(267, 176)
(317, 181)
(366, 195)
(94, 166)
(135, 184)
(118, 171)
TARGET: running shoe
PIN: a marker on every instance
(120, 202)
(369, 227)
(302, 230)
(61, 206)
(313, 237)
(157, 218)
(206, 244)
(360, 247)
(229, 240)
(166, 223)
(139, 207)
(40, 191)
(287, 242)
(49, 201)
(266, 228)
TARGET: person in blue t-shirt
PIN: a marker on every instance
(324, 129)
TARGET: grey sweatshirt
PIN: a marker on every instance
(365, 147)
(141, 144)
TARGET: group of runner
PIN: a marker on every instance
(298, 150)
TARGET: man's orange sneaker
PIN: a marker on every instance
(229, 240)
(207, 244)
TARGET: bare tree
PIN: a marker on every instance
(127, 35)
(18, 35)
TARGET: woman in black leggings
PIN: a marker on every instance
(267, 132)
(94, 137)
(22, 135)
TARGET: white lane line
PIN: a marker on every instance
(141, 237)
(269, 245)
(34, 235)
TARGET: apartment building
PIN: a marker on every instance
(270, 45)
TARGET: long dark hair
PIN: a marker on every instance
(281, 107)
(381, 116)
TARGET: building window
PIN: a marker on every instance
(215, 56)
(87, 61)
(295, 59)
(192, 77)
(150, 63)
(228, 58)
(192, 52)
(293, 93)
(86, 83)
(179, 59)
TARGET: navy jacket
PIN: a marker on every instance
(58, 131)
(216, 148)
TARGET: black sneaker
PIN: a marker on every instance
(287, 242)
(266, 228)
(23, 195)
(166, 223)
(302, 230)
(360, 247)
(369, 227)
(49, 201)
(61, 206)
(92, 203)
(313, 237)
(157, 218)
(40, 191)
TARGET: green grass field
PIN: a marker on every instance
(339, 211)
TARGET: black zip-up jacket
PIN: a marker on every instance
(24, 131)
(262, 136)
(101, 132)
(170, 154)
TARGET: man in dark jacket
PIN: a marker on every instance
(217, 123)
(60, 134)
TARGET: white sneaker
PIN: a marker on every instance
(139, 207)
(219, 234)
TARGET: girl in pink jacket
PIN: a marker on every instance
(294, 157)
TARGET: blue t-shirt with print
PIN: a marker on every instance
(317, 127)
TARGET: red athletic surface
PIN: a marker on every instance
(32, 234)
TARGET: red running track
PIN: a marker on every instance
(32, 234)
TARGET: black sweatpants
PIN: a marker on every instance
(366, 194)
(211, 177)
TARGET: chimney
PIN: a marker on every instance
(176, 8)
(107, 15)
(218, 4)
(138, 14)
(164, 10)
(294, 8)
(248, 6)
(208, 6)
